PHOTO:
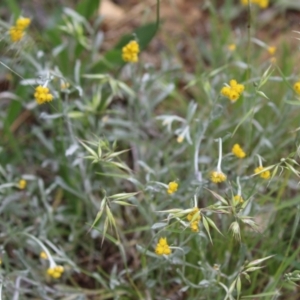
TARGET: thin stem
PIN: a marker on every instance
(259, 160)
(197, 149)
(50, 259)
(239, 186)
(220, 156)
(195, 201)
(248, 40)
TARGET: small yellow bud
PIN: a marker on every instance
(22, 184)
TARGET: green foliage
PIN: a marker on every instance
(97, 162)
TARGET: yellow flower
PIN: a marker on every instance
(43, 255)
(239, 88)
(15, 34)
(297, 87)
(263, 3)
(231, 47)
(192, 213)
(22, 184)
(225, 91)
(272, 50)
(55, 272)
(162, 247)
(195, 226)
(260, 3)
(233, 96)
(172, 187)
(42, 95)
(130, 52)
(217, 177)
(238, 151)
(238, 200)
(23, 23)
(233, 91)
(195, 223)
(264, 174)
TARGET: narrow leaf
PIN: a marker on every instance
(212, 224)
(206, 226)
(218, 197)
(90, 150)
(238, 286)
(123, 203)
(122, 196)
(258, 261)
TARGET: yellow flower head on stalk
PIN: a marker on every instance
(43, 255)
(42, 95)
(217, 177)
(17, 32)
(272, 50)
(238, 151)
(231, 47)
(195, 223)
(130, 52)
(172, 187)
(264, 174)
(233, 91)
(55, 272)
(22, 184)
(162, 247)
(297, 87)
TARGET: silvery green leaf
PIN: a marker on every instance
(159, 225)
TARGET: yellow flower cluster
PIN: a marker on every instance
(130, 52)
(217, 177)
(55, 272)
(263, 174)
(17, 32)
(238, 151)
(297, 87)
(233, 91)
(195, 223)
(162, 247)
(260, 3)
(22, 184)
(238, 200)
(42, 95)
(172, 187)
